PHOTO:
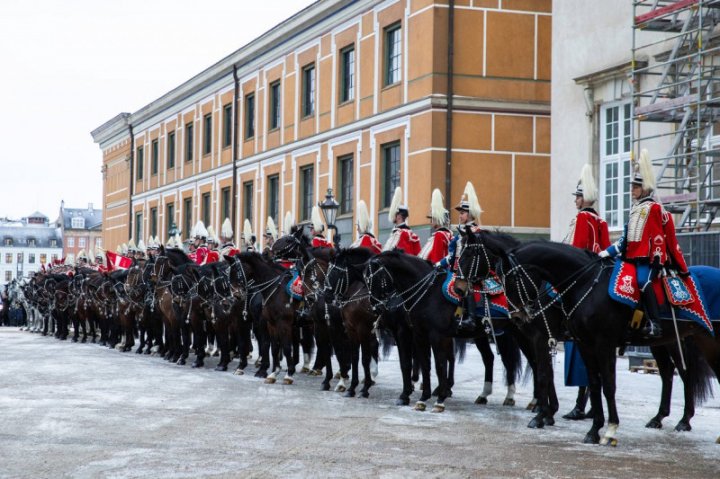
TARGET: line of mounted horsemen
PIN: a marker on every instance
(486, 286)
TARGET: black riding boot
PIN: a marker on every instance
(652, 327)
(466, 323)
(578, 412)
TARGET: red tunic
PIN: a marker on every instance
(368, 241)
(229, 250)
(589, 231)
(199, 255)
(403, 238)
(319, 241)
(650, 234)
(212, 257)
(437, 245)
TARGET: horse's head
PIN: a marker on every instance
(346, 267)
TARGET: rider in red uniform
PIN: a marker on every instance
(649, 241)
(436, 247)
(213, 254)
(365, 237)
(271, 234)
(200, 234)
(587, 231)
(316, 230)
(401, 237)
(226, 234)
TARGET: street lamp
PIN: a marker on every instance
(173, 230)
(329, 209)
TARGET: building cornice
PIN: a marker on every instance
(111, 128)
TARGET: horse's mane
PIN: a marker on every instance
(500, 243)
(252, 257)
(406, 262)
(324, 254)
(177, 257)
(119, 275)
(354, 255)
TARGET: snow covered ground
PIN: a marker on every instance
(81, 411)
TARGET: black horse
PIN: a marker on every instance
(598, 323)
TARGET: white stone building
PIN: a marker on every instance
(27, 245)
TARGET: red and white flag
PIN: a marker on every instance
(116, 261)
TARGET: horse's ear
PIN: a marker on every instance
(162, 250)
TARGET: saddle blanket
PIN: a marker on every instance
(489, 288)
(294, 287)
(684, 293)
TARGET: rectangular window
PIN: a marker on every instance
(71, 242)
(345, 181)
(227, 125)
(393, 54)
(138, 227)
(249, 116)
(140, 163)
(275, 105)
(207, 134)
(189, 142)
(273, 198)
(77, 223)
(187, 217)
(81, 243)
(31, 258)
(307, 192)
(153, 221)
(248, 201)
(225, 203)
(391, 171)
(154, 159)
(170, 217)
(347, 74)
(8, 258)
(53, 257)
(171, 150)
(98, 242)
(43, 258)
(8, 242)
(8, 275)
(20, 258)
(53, 243)
(615, 128)
(31, 242)
(206, 208)
(308, 90)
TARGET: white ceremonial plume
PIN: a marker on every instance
(588, 183)
(288, 223)
(178, 241)
(119, 249)
(141, 246)
(646, 171)
(247, 232)
(171, 242)
(395, 204)
(211, 234)
(363, 218)
(199, 230)
(438, 213)
(317, 221)
(271, 229)
(131, 245)
(473, 202)
(90, 256)
(125, 249)
(81, 254)
(226, 231)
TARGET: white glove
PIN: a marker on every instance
(603, 254)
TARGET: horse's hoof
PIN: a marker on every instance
(340, 389)
(550, 421)
(481, 400)
(509, 402)
(591, 438)
(655, 423)
(314, 372)
(181, 362)
(575, 415)
(349, 393)
(402, 402)
(148, 351)
(221, 367)
(305, 370)
(138, 351)
(364, 394)
(197, 364)
(536, 423)
(288, 381)
(438, 408)
(261, 374)
(420, 406)
(270, 380)
(683, 426)
(325, 387)
(609, 441)
(718, 440)
(530, 406)
(74, 340)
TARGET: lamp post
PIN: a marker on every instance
(173, 230)
(329, 209)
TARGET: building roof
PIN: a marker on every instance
(92, 217)
(22, 234)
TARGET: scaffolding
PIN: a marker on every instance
(676, 103)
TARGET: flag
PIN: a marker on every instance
(116, 261)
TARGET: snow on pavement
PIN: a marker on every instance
(85, 411)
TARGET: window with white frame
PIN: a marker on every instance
(78, 222)
(615, 146)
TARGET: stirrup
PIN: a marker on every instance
(652, 329)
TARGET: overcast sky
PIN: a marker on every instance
(68, 66)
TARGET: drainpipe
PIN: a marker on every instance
(234, 149)
(132, 182)
(450, 94)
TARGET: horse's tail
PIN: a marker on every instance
(460, 348)
(386, 340)
(698, 374)
(510, 354)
